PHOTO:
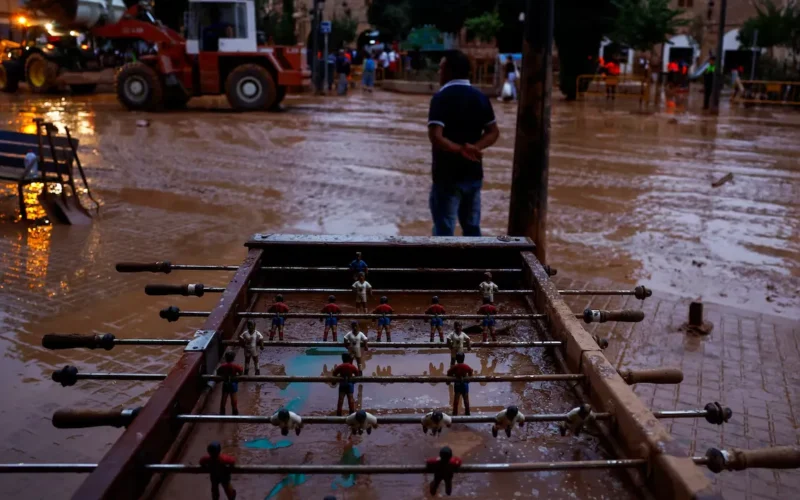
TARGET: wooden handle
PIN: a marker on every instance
(144, 267)
(191, 290)
(601, 316)
(653, 376)
(79, 419)
(778, 457)
(58, 341)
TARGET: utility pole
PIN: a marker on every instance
(528, 211)
(315, 48)
(753, 55)
(723, 7)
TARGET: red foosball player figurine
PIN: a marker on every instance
(384, 322)
(229, 371)
(488, 310)
(460, 388)
(437, 321)
(219, 467)
(346, 371)
(332, 321)
(279, 308)
(444, 468)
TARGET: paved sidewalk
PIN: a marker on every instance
(748, 362)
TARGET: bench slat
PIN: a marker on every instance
(18, 162)
(21, 138)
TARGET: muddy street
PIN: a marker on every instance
(631, 202)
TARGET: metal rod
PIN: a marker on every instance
(385, 345)
(397, 379)
(344, 469)
(193, 267)
(255, 314)
(396, 291)
(415, 418)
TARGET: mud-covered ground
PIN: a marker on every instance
(630, 202)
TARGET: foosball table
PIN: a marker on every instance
(545, 412)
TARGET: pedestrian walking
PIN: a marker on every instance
(368, 76)
(343, 70)
(708, 81)
(461, 125)
(511, 76)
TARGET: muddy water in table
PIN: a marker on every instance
(402, 444)
(630, 202)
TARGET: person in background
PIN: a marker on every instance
(736, 82)
(612, 79)
(384, 60)
(461, 125)
(393, 62)
(343, 70)
(331, 70)
(511, 76)
(368, 77)
(319, 77)
(708, 81)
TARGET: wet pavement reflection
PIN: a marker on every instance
(630, 202)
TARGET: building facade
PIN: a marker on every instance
(7, 10)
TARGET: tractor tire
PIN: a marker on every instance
(176, 97)
(83, 89)
(41, 74)
(281, 95)
(8, 83)
(139, 88)
(250, 87)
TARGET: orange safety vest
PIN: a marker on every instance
(612, 68)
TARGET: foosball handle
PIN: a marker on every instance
(57, 341)
(778, 457)
(601, 316)
(652, 376)
(79, 419)
(144, 267)
(190, 290)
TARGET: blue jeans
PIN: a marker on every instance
(450, 200)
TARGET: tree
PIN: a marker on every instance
(343, 30)
(447, 15)
(579, 27)
(509, 39)
(641, 24)
(775, 25)
(484, 27)
(391, 17)
(285, 34)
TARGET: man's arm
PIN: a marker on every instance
(439, 141)
(489, 137)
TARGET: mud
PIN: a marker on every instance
(630, 202)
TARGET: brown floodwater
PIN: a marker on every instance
(630, 202)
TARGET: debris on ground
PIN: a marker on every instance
(142, 123)
(698, 263)
(726, 178)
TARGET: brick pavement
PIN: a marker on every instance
(747, 362)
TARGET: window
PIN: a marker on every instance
(685, 3)
(210, 21)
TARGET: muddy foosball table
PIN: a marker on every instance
(544, 362)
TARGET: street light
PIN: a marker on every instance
(22, 21)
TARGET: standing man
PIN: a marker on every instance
(354, 341)
(457, 341)
(461, 124)
(358, 266)
(436, 310)
(361, 287)
(219, 467)
(251, 340)
(333, 311)
(708, 81)
(385, 321)
(230, 385)
(278, 321)
(460, 388)
(511, 76)
(345, 371)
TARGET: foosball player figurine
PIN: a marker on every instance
(437, 321)
(354, 340)
(287, 421)
(577, 419)
(461, 387)
(229, 371)
(506, 419)
(346, 371)
(488, 288)
(331, 322)
(384, 322)
(361, 421)
(488, 310)
(457, 341)
(435, 421)
(358, 266)
(362, 288)
(279, 308)
(252, 341)
(219, 467)
(444, 468)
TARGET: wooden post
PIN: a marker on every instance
(528, 211)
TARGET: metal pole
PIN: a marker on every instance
(325, 60)
(214, 289)
(528, 210)
(723, 6)
(315, 48)
(382, 345)
(753, 55)
(397, 379)
(250, 314)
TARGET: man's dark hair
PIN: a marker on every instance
(457, 63)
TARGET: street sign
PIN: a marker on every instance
(325, 27)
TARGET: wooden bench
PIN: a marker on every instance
(13, 148)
